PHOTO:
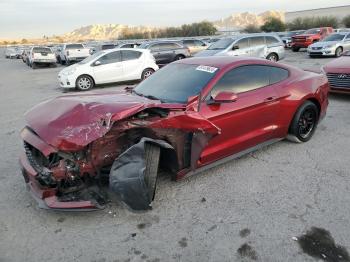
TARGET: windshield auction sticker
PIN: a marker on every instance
(208, 69)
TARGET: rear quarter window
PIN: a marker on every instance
(130, 55)
(277, 74)
(271, 40)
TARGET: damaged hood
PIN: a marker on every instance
(73, 121)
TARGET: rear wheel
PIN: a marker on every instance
(304, 122)
(152, 153)
(338, 51)
(84, 83)
(295, 49)
(147, 73)
(179, 57)
(272, 57)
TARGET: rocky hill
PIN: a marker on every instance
(241, 20)
(103, 32)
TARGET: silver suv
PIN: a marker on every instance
(263, 45)
(333, 45)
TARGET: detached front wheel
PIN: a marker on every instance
(84, 83)
(304, 122)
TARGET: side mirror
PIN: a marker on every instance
(223, 97)
(235, 47)
(97, 63)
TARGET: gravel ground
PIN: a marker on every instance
(247, 209)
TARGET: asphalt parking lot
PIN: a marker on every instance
(248, 209)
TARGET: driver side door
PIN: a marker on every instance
(246, 122)
(243, 48)
(110, 70)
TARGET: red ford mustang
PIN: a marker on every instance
(188, 116)
(338, 73)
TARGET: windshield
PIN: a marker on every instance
(221, 44)
(175, 83)
(144, 45)
(91, 58)
(312, 31)
(334, 37)
(41, 50)
(75, 46)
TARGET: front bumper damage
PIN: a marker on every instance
(181, 137)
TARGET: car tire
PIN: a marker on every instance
(304, 123)
(295, 49)
(152, 154)
(84, 83)
(146, 73)
(272, 57)
(338, 51)
(33, 65)
(179, 57)
(68, 62)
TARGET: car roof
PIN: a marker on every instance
(222, 61)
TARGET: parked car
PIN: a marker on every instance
(332, 45)
(309, 37)
(338, 73)
(10, 52)
(287, 38)
(24, 55)
(264, 45)
(108, 66)
(166, 51)
(72, 53)
(108, 46)
(194, 45)
(39, 55)
(128, 45)
(189, 116)
(341, 30)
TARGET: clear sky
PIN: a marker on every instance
(35, 18)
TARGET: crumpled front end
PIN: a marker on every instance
(75, 175)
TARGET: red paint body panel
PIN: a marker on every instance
(103, 125)
(304, 40)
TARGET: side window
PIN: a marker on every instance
(271, 40)
(242, 79)
(243, 43)
(347, 37)
(172, 46)
(155, 47)
(277, 74)
(189, 42)
(198, 43)
(109, 58)
(257, 41)
(130, 55)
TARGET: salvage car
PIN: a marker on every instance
(261, 45)
(40, 55)
(332, 45)
(338, 73)
(108, 66)
(188, 116)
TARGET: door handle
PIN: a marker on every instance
(270, 99)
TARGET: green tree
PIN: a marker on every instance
(312, 22)
(273, 24)
(346, 21)
(252, 29)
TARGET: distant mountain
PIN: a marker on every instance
(104, 32)
(242, 20)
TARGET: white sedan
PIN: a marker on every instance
(108, 66)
